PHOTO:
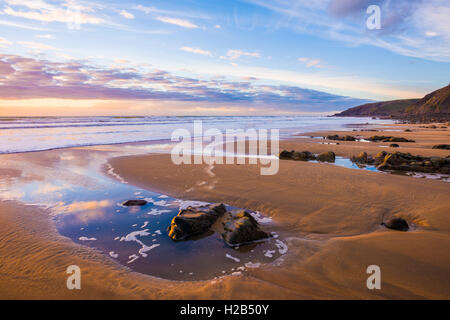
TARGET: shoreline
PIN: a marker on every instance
(322, 242)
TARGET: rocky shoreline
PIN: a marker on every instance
(372, 139)
(384, 161)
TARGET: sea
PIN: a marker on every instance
(24, 134)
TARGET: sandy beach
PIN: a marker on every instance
(329, 215)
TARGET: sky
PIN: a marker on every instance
(203, 57)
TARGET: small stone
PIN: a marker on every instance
(396, 224)
(130, 203)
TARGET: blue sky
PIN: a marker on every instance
(188, 57)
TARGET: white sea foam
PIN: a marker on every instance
(183, 204)
(132, 235)
(260, 218)
(132, 258)
(144, 248)
(160, 203)
(115, 175)
(114, 255)
(157, 212)
(253, 265)
(86, 239)
(269, 253)
(229, 256)
(282, 247)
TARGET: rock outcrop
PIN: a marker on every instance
(295, 155)
(343, 138)
(326, 157)
(194, 221)
(388, 139)
(242, 228)
(405, 162)
(238, 227)
(442, 146)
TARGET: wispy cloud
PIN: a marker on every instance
(233, 54)
(184, 13)
(178, 22)
(36, 45)
(21, 25)
(4, 43)
(126, 14)
(406, 25)
(45, 36)
(66, 12)
(196, 51)
(311, 62)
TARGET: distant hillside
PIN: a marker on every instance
(436, 102)
(379, 109)
(433, 107)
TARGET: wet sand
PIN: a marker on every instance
(330, 216)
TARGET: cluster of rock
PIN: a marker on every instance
(373, 138)
(307, 156)
(433, 127)
(238, 227)
(406, 162)
(343, 138)
(442, 146)
(388, 139)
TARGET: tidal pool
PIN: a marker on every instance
(85, 199)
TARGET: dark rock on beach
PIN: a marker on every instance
(343, 138)
(286, 155)
(361, 158)
(130, 203)
(388, 139)
(326, 156)
(238, 227)
(303, 156)
(379, 157)
(396, 224)
(242, 228)
(194, 221)
(295, 155)
(394, 145)
(442, 146)
(405, 162)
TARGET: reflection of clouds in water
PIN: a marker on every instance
(48, 188)
(64, 157)
(90, 215)
(12, 194)
(85, 205)
(86, 210)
